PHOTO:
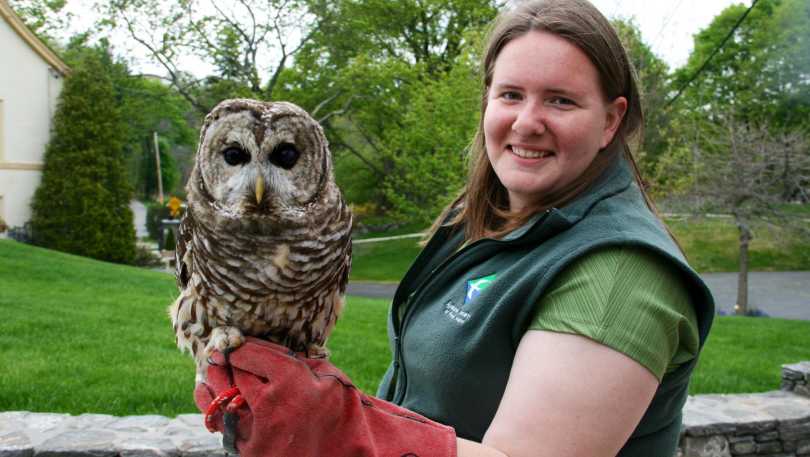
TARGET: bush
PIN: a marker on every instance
(3, 225)
(21, 234)
(146, 258)
(82, 203)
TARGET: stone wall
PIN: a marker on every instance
(24, 434)
(770, 424)
(796, 378)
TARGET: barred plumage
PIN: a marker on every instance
(264, 247)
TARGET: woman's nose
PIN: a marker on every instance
(530, 121)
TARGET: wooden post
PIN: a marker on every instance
(741, 308)
(157, 162)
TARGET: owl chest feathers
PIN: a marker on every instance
(285, 286)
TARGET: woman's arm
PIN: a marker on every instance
(567, 396)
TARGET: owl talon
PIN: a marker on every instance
(224, 339)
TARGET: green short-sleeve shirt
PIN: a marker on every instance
(627, 299)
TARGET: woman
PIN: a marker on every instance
(551, 312)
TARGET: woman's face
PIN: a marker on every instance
(546, 116)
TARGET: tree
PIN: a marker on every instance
(241, 40)
(148, 105)
(738, 172)
(655, 87)
(761, 75)
(43, 17)
(428, 148)
(365, 74)
(82, 203)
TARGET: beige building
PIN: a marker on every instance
(31, 77)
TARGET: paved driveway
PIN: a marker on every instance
(783, 294)
(778, 294)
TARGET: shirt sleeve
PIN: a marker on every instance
(628, 299)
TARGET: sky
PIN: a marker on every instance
(666, 25)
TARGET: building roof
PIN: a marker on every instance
(28, 36)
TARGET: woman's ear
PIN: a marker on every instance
(614, 114)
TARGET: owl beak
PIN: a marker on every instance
(259, 188)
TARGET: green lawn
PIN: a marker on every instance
(711, 245)
(79, 335)
(85, 336)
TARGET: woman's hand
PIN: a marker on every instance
(297, 406)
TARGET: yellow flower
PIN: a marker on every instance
(175, 205)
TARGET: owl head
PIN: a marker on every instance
(259, 158)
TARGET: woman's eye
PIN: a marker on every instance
(285, 155)
(511, 95)
(235, 156)
(561, 101)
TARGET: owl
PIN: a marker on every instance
(264, 247)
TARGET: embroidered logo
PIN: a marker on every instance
(476, 286)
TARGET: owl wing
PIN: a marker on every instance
(347, 266)
(182, 267)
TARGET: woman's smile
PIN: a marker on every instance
(528, 153)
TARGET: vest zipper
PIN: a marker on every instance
(399, 333)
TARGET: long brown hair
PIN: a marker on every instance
(483, 205)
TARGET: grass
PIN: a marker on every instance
(745, 354)
(85, 336)
(385, 261)
(711, 246)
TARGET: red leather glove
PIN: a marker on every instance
(297, 406)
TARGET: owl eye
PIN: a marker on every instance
(285, 155)
(236, 156)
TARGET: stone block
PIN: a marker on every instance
(769, 447)
(95, 420)
(202, 446)
(15, 444)
(795, 430)
(801, 367)
(741, 439)
(46, 422)
(706, 446)
(767, 436)
(791, 375)
(802, 389)
(139, 423)
(145, 446)
(754, 428)
(12, 420)
(803, 447)
(743, 447)
(193, 420)
(78, 443)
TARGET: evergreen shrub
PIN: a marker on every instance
(82, 203)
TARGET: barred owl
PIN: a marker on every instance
(264, 247)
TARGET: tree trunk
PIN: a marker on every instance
(741, 308)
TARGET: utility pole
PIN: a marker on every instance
(157, 162)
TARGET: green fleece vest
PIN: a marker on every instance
(458, 315)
